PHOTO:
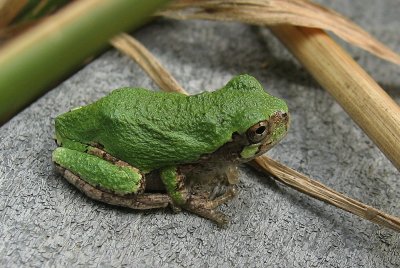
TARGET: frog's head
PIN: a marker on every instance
(263, 135)
(258, 119)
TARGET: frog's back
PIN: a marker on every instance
(120, 107)
(154, 129)
(147, 129)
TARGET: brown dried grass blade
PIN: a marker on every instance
(277, 12)
(9, 9)
(17, 16)
(319, 191)
(131, 47)
(14, 30)
(278, 171)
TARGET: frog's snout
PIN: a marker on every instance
(280, 119)
(278, 127)
(279, 124)
(287, 120)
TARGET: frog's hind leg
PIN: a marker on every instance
(143, 201)
(116, 184)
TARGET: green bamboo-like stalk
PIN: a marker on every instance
(44, 54)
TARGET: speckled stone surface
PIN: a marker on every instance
(45, 222)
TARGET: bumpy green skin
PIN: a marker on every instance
(169, 178)
(152, 130)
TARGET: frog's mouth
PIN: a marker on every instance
(276, 128)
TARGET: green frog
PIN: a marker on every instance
(144, 149)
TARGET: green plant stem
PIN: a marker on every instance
(53, 48)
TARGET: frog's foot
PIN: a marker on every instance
(229, 194)
(198, 203)
(202, 207)
(112, 182)
(206, 208)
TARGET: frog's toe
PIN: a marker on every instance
(229, 193)
(200, 207)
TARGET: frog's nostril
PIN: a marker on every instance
(285, 117)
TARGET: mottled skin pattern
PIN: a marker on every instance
(146, 149)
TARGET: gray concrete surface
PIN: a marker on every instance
(45, 222)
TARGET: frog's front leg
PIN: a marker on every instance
(109, 181)
(200, 205)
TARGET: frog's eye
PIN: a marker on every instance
(257, 132)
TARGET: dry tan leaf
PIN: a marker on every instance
(274, 12)
(286, 175)
(34, 13)
(12, 31)
(319, 191)
(9, 9)
(352, 87)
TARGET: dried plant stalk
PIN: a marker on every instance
(278, 171)
(277, 12)
(361, 97)
(150, 64)
(9, 9)
(319, 191)
(17, 16)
